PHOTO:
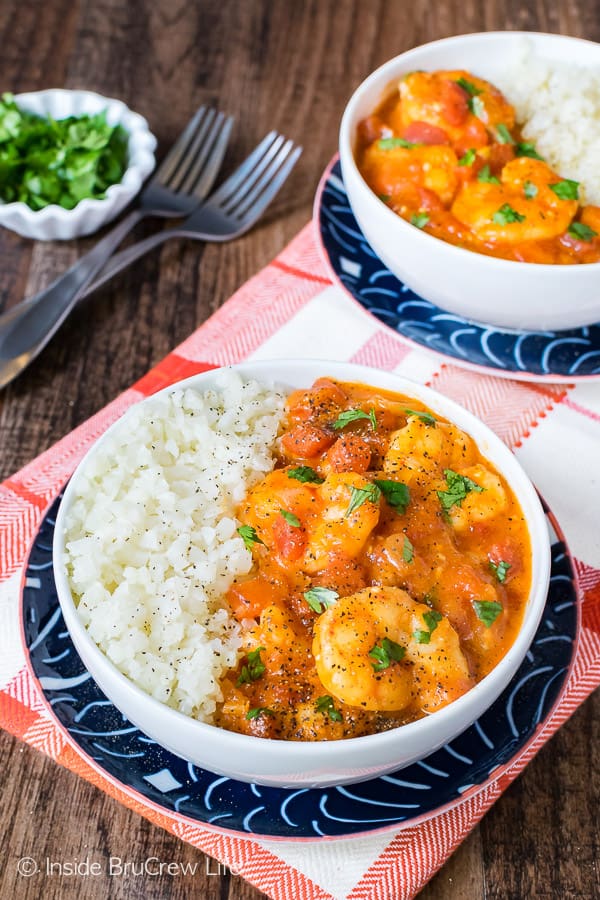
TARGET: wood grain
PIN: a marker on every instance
(273, 64)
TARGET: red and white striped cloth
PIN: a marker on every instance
(291, 309)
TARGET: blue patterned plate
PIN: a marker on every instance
(138, 764)
(523, 355)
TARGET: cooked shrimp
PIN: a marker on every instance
(336, 529)
(421, 448)
(388, 169)
(427, 676)
(523, 207)
(443, 99)
(479, 506)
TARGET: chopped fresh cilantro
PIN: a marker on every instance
(524, 148)
(581, 232)
(385, 198)
(395, 492)
(259, 711)
(432, 620)
(63, 161)
(249, 536)
(425, 417)
(392, 142)
(290, 518)
(325, 705)
(506, 215)
(419, 220)
(385, 653)
(305, 474)
(253, 669)
(500, 569)
(458, 488)
(358, 496)
(468, 158)
(487, 611)
(503, 134)
(469, 87)
(566, 189)
(320, 598)
(477, 108)
(408, 551)
(353, 415)
(485, 176)
(530, 189)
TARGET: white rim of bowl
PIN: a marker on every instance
(518, 481)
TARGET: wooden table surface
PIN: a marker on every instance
(282, 64)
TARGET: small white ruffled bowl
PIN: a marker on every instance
(55, 223)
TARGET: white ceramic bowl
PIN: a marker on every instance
(499, 292)
(297, 764)
(55, 223)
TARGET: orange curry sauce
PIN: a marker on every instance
(445, 153)
(391, 569)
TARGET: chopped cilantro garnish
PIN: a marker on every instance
(249, 536)
(62, 161)
(320, 598)
(487, 611)
(259, 711)
(392, 142)
(386, 652)
(500, 569)
(476, 106)
(506, 215)
(305, 474)
(503, 134)
(530, 189)
(458, 488)
(408, 551)
(524, 148)
(425, 417)
(353, 415)
(566, 189)
(485, 176)
(385, 198)
(395, 492)
(358, 496)
(325, 705)
(581, 232)
(253, 669)
(290, 518)
(419, 220)
(468, 158)
(432, 620)
(469, 87)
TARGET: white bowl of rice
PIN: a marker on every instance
(553, 81)
(146, 545)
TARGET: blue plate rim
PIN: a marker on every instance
(181, 818)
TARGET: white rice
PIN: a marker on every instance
(558, 107)
(151, 539)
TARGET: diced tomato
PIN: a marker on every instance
(350, 453)
(424, 133)
(344, 575)
(412, 196)
(248, 598)
(500, 154)
(290, 540)
(455, 103)
(321, 403)
(306, 441)
(507, 553)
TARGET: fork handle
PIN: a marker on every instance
(26, 329)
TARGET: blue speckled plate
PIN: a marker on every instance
(138, 764)
(556, 356)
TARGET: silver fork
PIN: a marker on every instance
(180, 184)
(230, 211)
